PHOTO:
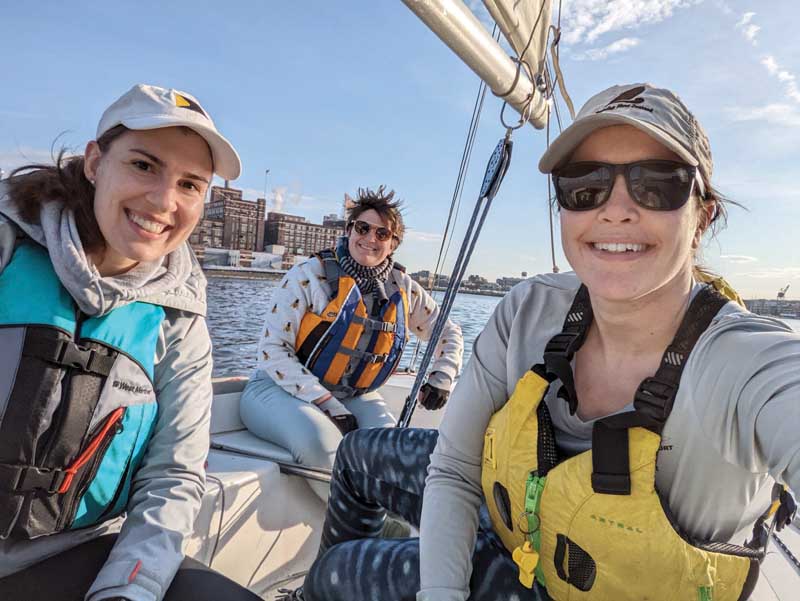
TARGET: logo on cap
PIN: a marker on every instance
(628, 99)
(188, 103)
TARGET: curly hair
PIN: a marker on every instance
(382, 202)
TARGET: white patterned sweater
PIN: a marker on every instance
(303, 289)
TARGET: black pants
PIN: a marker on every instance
(68, 576)
(384, 469)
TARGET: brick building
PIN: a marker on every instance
(241, 221)
(298, 236)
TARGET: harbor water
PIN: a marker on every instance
(236, 310)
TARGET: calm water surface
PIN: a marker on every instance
(236, 310)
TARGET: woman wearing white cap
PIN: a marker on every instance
(105, 384)
(638, 365)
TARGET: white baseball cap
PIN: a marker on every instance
(152, 107)
(658, 112)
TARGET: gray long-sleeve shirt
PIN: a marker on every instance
(731, 434)
(168, 486)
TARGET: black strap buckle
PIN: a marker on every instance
(564, 343)
(39, 478)
(79, 357)
(654, 398)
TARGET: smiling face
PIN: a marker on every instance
(367, 249)
(620, 250)
(149, 191)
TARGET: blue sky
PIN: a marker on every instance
(330, 96)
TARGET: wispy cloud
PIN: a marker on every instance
(774, 272)
(738, 259)
(781, 114)
(789, 80)
(597, 54)
(748, 28)
(417, 236)
(586, 20)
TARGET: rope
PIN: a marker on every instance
(498, 165)
(550, 202)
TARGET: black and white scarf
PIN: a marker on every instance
(367, 278)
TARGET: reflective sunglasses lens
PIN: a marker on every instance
(382, 234)
(660, 185)
(582, 187)
(361, 228)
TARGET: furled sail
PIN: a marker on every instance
(524, 24)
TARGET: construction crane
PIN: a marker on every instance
(782, 292)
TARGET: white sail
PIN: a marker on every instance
(457, 27)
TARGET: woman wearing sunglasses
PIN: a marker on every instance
(105, 376)
(626, 429)
(335, 330)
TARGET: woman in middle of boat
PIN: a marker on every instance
(335, 331)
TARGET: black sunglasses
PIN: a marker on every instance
(654, 185)
(363, 228)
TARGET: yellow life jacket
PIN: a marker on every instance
(594, 526)
(347, 349)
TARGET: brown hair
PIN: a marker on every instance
(382, 202)
(30, 186)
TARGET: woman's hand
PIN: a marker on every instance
(432, 397)
(337, 413)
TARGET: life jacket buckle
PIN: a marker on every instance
(654, 398)
(78, 357)
(39, 478)
(564, 344)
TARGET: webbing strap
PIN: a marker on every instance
(375, 325)
(655, 395)
(20, 479)
(332, 270)
(562, 347)
(652, 401)
(66, 353)
(364, 355)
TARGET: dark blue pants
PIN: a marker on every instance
(384, 469)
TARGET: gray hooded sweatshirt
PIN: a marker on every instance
(168, 487)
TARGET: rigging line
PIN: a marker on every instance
(465, 161)
(520, 60)
(555, 99)
(550, 201)
(455, 203)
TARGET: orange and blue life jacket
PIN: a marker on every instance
(351, 350)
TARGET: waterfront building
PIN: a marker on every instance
(238, 223)
(299, 236)
(333, 220)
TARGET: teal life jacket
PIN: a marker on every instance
(77, 401)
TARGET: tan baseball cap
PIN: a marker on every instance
(152, 107)
(656, 111)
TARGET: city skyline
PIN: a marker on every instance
(330, 97)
